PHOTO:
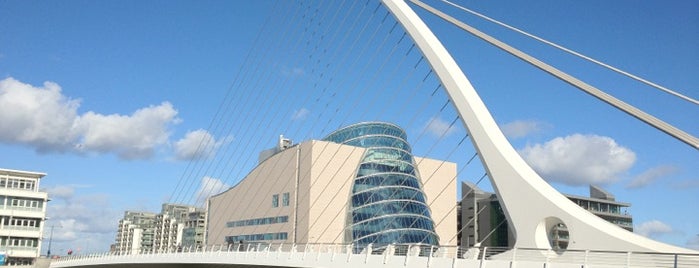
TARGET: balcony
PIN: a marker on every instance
(22, 252)
(20, 231)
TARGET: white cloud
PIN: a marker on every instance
(438, 127)
(61, 191)
(652, 228)
(45, 119)
(38, 116)
(522, 128)
(130, 137)
(209, 187)
(579, 159)
(86, 222)
(300, 114)
(198, 144)
(649, 176)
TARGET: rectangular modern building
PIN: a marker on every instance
(483, 222)
(22, 216)
(135, 233)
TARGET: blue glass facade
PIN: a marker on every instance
(388, 205)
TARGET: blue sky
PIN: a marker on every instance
(110, 99)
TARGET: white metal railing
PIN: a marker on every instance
(582, 258)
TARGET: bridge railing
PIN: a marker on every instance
(584, 258)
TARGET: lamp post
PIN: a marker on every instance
(48, 253)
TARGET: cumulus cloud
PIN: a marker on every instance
(579, 159)
(39, 116)
(438, 127)
(43, 118)
(210, 186)
(300, 114)
(198, 144)
(86, 222)
(522, 128)
(652, 229)
(130, 137)
(651, 175)
(61, 191)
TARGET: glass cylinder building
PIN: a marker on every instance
(388, 204)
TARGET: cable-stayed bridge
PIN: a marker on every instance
(377, 61)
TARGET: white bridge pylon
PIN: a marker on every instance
(531, 205)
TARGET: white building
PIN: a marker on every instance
(22, 216)
(175, 226)
(135, 233)
(170, 225)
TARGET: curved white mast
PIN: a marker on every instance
(531, 205)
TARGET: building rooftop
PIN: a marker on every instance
(21, 173)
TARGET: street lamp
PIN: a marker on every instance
(48, 253)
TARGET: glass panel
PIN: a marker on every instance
(275, 200)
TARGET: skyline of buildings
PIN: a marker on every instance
(372, 146)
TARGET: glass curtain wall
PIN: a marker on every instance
(388, 205)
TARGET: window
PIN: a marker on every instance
(285, 199)
(258, 221)
(275, 200)
(257, 237)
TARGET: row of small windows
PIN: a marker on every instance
(258, 221)
(21, 202)
(18, 242)
(285, 200)
(15, 183)
(256, 237)
(20, 222)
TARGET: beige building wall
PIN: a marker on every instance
(318, 175)
(323, 211)
(252, 199)
(439, 185)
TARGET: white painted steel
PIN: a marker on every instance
(340, 255)
(531, 205)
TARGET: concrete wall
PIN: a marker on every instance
(439, 184)
(323, 211)
(252, 199)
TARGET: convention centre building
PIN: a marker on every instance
(360, 185)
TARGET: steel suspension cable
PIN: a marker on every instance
(597, 93)
(577, 54)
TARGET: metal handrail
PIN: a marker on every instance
(271, 250)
